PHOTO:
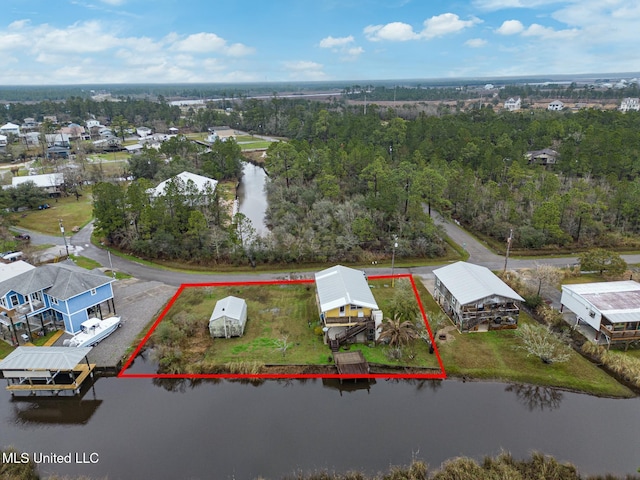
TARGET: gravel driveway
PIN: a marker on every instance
(138, 302)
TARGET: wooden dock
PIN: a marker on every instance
(351, 363)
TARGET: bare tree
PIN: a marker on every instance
(283, 344)
(543, 343)
(547, 274)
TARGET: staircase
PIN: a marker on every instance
(347, 335)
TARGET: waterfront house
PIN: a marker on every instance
(62, 293)
(199, 187)
(609, 311)
(348, 310)
(3, 140)
(229, 318)
(475, 298)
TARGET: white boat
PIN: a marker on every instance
(93, 331)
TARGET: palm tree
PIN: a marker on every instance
(397, 332)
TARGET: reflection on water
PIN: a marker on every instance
(57, 410)
(535, 397)
(252, 198)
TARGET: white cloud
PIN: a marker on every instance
(114, 3)
(343, 46)
(510, 27)
(204, 42)
(394, 31)
(445, 24)
(200, 42)
(331, 42)
(476, 42)
(504, 4)
(536, 30)
(436, 26)
(305, 70)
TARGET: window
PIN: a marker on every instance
(93, 291)
(14, 300)
(3, 302)
(54, 300)
(36, 296)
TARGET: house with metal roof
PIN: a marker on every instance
(51, 183)
(200, 185)
(52, 369)
(63, 293)
(475, 298)
(609, 310)
(229, 318)
(348, 310)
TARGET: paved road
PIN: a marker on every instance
(479, 254)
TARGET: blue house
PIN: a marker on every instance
(60, 293)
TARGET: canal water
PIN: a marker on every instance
(167, 429)
(252, 198)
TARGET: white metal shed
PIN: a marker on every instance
(229, 318)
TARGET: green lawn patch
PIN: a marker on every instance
(255, 145)
(74, 213)
(495, 355)
(5, 349)
(85, 262)
(182, 344)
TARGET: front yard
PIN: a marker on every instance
(277, 315)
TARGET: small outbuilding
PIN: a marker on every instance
(228, 318)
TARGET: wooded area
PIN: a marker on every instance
(348, 185)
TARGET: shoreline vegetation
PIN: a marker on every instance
(501, 466)
(181, 344)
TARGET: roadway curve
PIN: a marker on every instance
(479, 254)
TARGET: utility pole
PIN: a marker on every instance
(393, 259)
(64, 238)
(506, 257)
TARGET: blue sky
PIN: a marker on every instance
(169, 41)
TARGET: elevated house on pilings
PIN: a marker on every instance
(348, 311)
(475, 298)
(606, 312)
(34, 300)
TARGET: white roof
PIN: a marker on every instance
(468, 282)
(44, 358)
(13, 269)
(617, 301)
(338, 286)
(44, 181)
(200, 182)
(231, 307)
(9, 126)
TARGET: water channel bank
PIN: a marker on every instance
(143, 428)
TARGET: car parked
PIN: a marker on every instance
(23, 236)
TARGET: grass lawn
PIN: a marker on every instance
(274, 311)
(85, 262)
(72, 212)
(5, 349)
(255, 145)
(495, 355)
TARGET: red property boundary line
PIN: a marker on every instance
(434, 376)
